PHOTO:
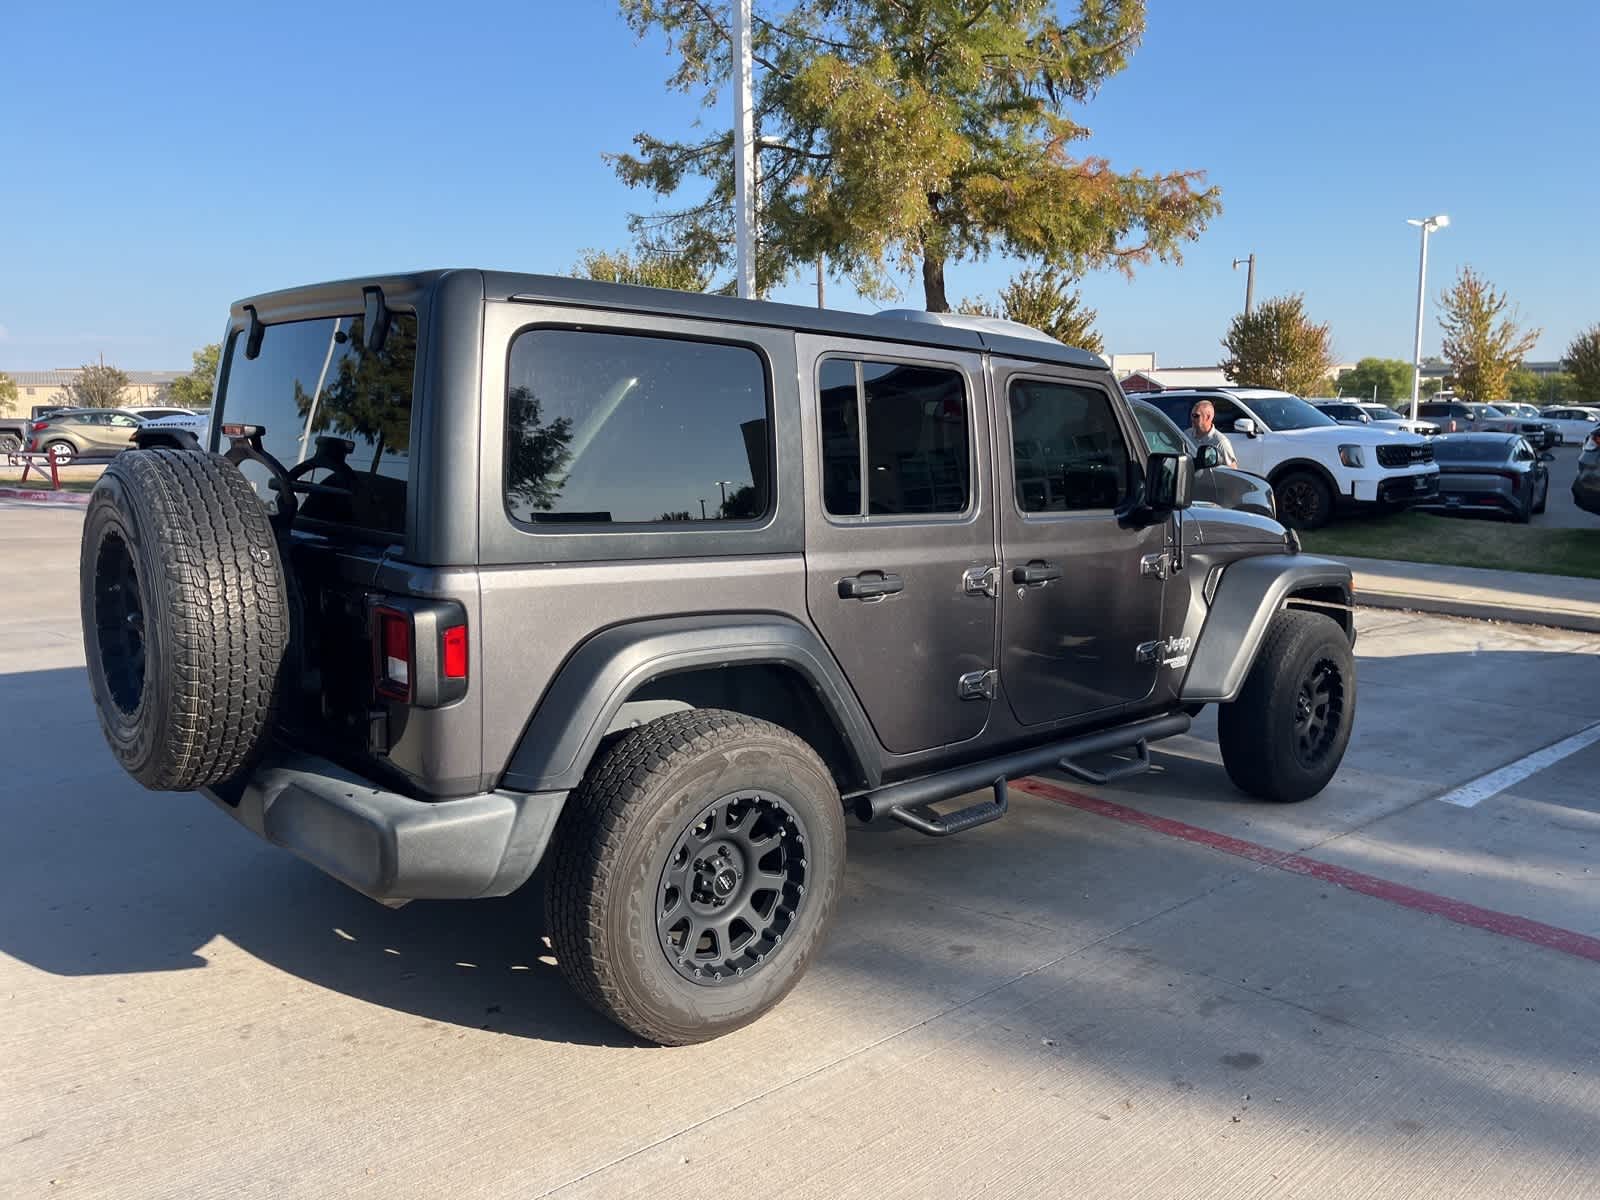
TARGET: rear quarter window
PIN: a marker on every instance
(627, 429)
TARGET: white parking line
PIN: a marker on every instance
(1481, 788)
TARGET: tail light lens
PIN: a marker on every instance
(40, 426)
(454, 653)
(395, 656)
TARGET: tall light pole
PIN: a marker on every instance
(1249, 281)
(1428, 225)
(744, 154)
(723, 485)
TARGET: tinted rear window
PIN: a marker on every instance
(317, 379)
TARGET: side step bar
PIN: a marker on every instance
(899, 799)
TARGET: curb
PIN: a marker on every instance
(45, 497)
(1478, 610)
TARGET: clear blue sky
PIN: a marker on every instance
(163, 160)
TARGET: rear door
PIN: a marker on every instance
(900, 533)
(1081, 590)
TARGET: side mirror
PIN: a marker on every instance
(1169, 482)
(1245, 426)
(1206, 457)
(1546, 456)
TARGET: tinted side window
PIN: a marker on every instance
(918, 457)
(1067, 447)
(1159, 433)
(609, 428)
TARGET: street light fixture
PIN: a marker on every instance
(1427, 225)
(1249, 280)
(723, 485)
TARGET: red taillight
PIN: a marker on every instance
(40, 426)
(1516, 482)
(395, 661)
(454, 657)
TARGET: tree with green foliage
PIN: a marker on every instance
(1430, 388)
(97, 386)
(1483, 339)
(1278, 346)
(900, 135)
(1387, 380)
(1045, 299)
(194, 390)
(8, 392)
(647, 266)
(1525, 387)
(1582, 361)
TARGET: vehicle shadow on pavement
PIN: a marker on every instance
(99, 877)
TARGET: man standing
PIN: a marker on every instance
(1203, 431)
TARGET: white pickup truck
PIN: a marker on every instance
(1315, 465)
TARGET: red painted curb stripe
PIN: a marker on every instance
(1551, 937)
(28, 495)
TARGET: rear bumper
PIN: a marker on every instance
(389, 846)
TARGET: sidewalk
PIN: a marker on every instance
(1524, 599)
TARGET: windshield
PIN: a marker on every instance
(1490, 411)
(1379, 413)
(314, 380)
(1287, 412)
(1455, 450)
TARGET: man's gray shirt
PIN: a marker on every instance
(1215, 439)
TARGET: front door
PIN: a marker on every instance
(1080, 586)
(900, 533)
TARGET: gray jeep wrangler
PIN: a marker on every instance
(483, 573)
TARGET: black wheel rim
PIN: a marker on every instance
(1299, 500)
(732, 888)
(119, 622)
(1318, 712)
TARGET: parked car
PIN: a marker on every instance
(1226, 487)
(79, 432)
(1382, 414)
(1530, 414)
(1346, 412)
(1462, 416)
(1499, 471)
(711, 690)
(175, 423)
(1586, 487)
(1315, 465)
(1574, 423)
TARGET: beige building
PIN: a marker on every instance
(35, 388)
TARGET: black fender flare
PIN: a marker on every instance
(1248, 596)
(599, 676)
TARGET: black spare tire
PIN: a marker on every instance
(185, 617)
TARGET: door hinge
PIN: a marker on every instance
(978, 685)
(1154, 566)
(981, 581)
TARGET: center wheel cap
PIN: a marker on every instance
(726, 880)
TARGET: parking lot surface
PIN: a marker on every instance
(1159, 989)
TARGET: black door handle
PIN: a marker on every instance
(1035, 572)
(869, 585)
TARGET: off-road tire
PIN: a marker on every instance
(611, 846)
(213, 608)
(1260, 733)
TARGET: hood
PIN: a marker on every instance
(1209, 526)
(1348, 435)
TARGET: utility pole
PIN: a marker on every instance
(702, 510)
(744, 164)
(1249, 281)
(1427, 225)
(820, 304)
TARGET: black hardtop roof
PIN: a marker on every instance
(557, 289)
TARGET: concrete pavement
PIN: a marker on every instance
(1063, 1002)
